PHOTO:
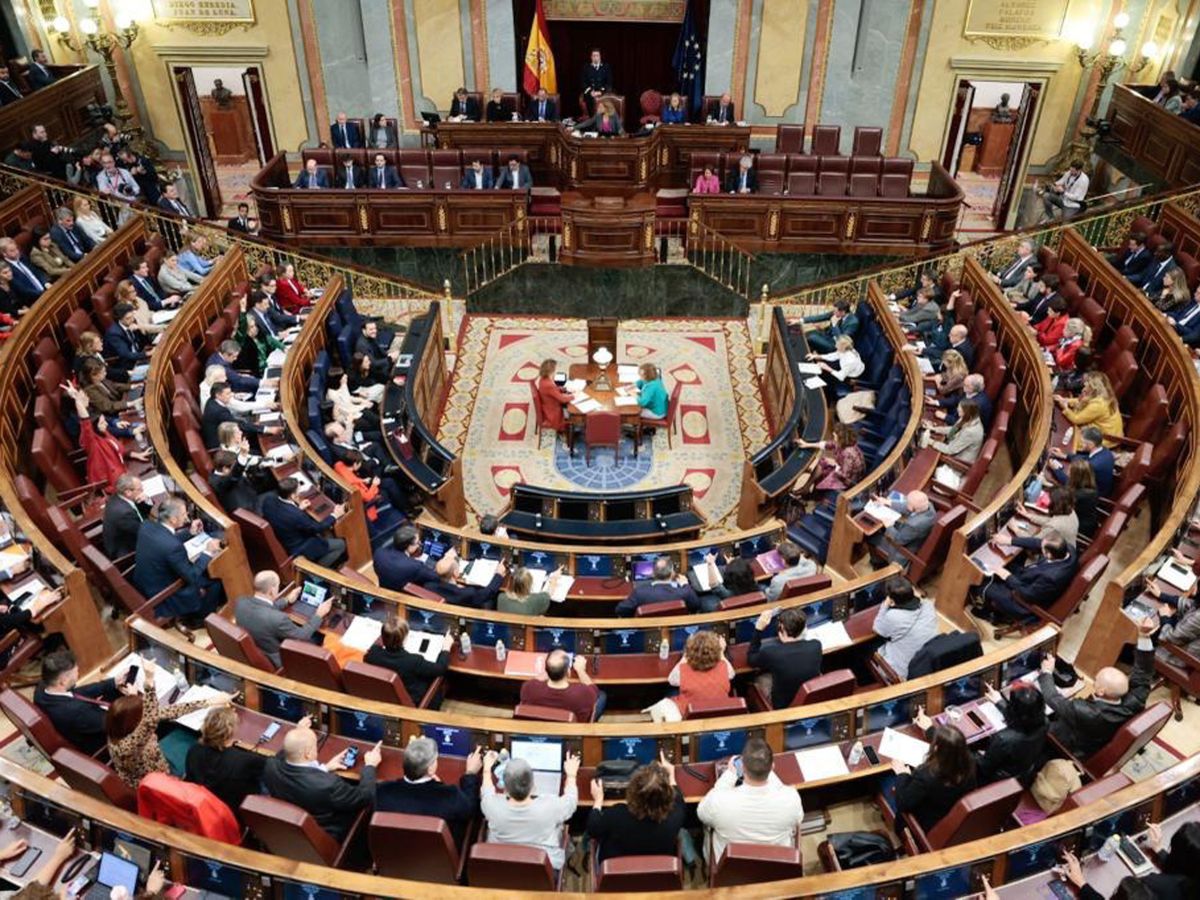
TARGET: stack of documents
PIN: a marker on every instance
(482, 571)
(701, 571)
(541, 582)
(362, 633)
(197, 693)
(909, 750)
(424, 643)
(832, 635)
(881, 513)
(821, 763)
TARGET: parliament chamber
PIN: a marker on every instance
(697, 459)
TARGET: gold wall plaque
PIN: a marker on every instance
(1006, 20)
(210, 17)
(617, 10)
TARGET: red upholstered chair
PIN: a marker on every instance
(76, 324)
(838, 164)
(1105, 537)
(417, 847)
(601, 429)
(262, 546)
(1092, 313)
(1028, 812)
(715, 708)
(424, 593)
(772, 168)
(537, 713)
(864, 186)
(809, 584)
(893, 186)
(288, 831)
(446, 167)
(801, 184)
(384, 686)
(46, 415)
(826, 140)
(46, 348)
(866, 165)
(216, 333)
(661, 608)
(741, 863)
(868, 141)
(618, 102)
(59, 470)
(828, 686)
(34, 724)
(414, 167)
(983, 813)
(789, 138)
(191, 807)
(739, 601)
(831, 184)
(937, 543)
(667, 423)
(638, 873)
(512, 867)
(512, 102)
(896, 165)
(1129, 740)
(652, 103)
(113, 581)
(1166, 451)
(92, 777)
(1181, 672)
(704, 160)
(233, 642)
(305, 661)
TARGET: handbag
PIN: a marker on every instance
(855, 849)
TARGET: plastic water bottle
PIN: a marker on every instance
(856, 754)
(664, 650)
(420, 184)
(1109, 848)
(464, 644)
(501, 651)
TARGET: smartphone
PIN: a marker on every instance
(870, 754)
(22, 863)
(269, 732)
(737, 765)
(1060, 890)
(132, 674)
(351, 757)
(1133, 856)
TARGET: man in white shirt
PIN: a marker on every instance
(1067, 193)
(760, 810)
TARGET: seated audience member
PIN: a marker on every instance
(87, 172)
(28, 280)
(905, 622)
(1187, 321)
(382, 176)
(743, 179)
(21, 157)
(1163, 262)
(947, 775)
(844, 468)
(295, 776)
(132, 726)
(917, 516)
(489, 524)
(381, 134)
(704, 673)
(464, 107)
(402, 562)
(647, 823)
(291, 295)
(707, 182)
(350, 176)
(1190, 108)
(143, 315)
(143, 285)
(1037, 307)
(796, 565)
(759, 810)
(1180, 620)
(104, 395)
(477, 176)
(1076, 335)
(1029, 288)
(76, 711)
(606, 121)
(922, 315)
(948, 382)
(174, 279)
(124, 340)
(415, 671)
(664, 584)
(10, 306)
(360, 409)
(842, 321)
(734, 580)
(787, 661)
(675, 112)
(350, 468)
(541, 108)
(584, 699)
(105, 452)
(1065, 196)
(652, 392)
(48, 156)
(1010, 276)
(91, 348)
(124, 513)
(421, 793)
(1178, 880)
(721, 110)
(230, 483)
(1059, 518)
(39, 73)
(146, 175)
(241, 222)
(300, 533)
(1016, 751)
(1098, 457)
(171, 202)
(214, 375)
(313, 177)
(551, 398)
(193, 258)
(1081, 481)
(48, 257)
(218, 410)
(89, 220)
(849, 363)
(69, 235)
(115, 181)
(368, 344)
(161, 559)
(1038, 583)
(1049, 331)
(1175, 299)
(964, 438)
(262, 615)
(227, 353)
(1070, 381)
(927, 281)
(27, 618)
(519, 817)
(495, 107)
(346, 134)
(256, 340)
(520, 596)
(364, 380)
(514, 176)
(1084, 726)
(232, 773)
(1135, 259)
(454, 590)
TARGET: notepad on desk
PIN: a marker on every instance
(991, 712)
(163, 316)
(424, 644)
(832, 635)
(524, 662)
(197, 693)
(1177, 575)
(196, 545)
(575, 386)
(815, 382)
(282, 453)
(821, 763)
(21, 595)
(625, 401)
(588, 405)
(807, 368)
(909, 750)
(881, 513)
(482, 571)
(362, 633)
(701, 571)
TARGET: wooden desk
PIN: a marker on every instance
(1164, 143)
(589, 372)
(608, 231)
(59, 106)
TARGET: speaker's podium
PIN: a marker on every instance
(607, 231)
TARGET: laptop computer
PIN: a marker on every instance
(113, 872)
(642, 569)
(546, 760)
(431, 119)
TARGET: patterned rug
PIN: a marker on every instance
(488, 419)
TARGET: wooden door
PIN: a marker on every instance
(260, 114)
(963, 99)
(197, 135)
(1009, 190)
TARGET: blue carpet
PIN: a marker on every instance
(606, 472)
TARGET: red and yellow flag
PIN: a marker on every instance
(539, 60)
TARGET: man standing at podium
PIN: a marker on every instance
(596, 80)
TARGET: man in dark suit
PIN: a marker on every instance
(280, 320)
(1085, 726)
(595, 81)
(70, 238)
(170, 201)
(382, 176)
(123, 341)
(743, 179)
(143, 171)
(841, 320)
(1191, 107)
(28, 281)
(542, 108)
(1132, 264)
(77, 712)
(39, 73)
(241, 222)
(229, 483)
(420, 793)
(225, 356)
(300, 533)
(1010, 276)
(461, 594)
(346, 135)
(1098, 457)
(124, 513)
(161, 559)
(722, 110)
(1039, 583)
(1151, 281)
(264, 619)
(349, 175)
(296, 777)
(917, 516)
(219, 410)
(260, 312)
(477, 176)
(312, 177)
(9, 92)
(48, 156)
(143, 283)
(786, 662)
(368, 344)
(664, 584)
(515, 176)
(398, 565)
(464, 106)
(1037, 308)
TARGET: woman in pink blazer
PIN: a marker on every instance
(707, 183)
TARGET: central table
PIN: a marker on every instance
(589, 372)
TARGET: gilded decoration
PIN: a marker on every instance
(773, 224)
(851, 222)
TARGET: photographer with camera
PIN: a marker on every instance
(143, 172)
(115, 181)
(48, 156)
(1066, 194)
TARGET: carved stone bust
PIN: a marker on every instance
(221, 95)
(1001, 111)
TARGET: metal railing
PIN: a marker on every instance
(524, 239)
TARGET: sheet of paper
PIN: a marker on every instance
(197, 545)
(154, 486)
(12, 557)
(276, 358)
(1177, 576)
(26, 592)
(163, 316)
(588, 405)
(547, 784)
(991, 712)
(700, 570)
(196, 693)
(164, 679)
(425, 643)
(815, 382)
(627, 374)
(821, 763)
(269, 418)
(362, 633)
(524, 662)
(832, 635)
(909, 750)
(482, 571)
(924, 365)
(881, 513)
(303, 482)
(537, 581)
(575, 386)
(809, 368)
(283, 452)
(625, 401)
(561, 586)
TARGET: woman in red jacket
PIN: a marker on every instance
(1076, 334)
(348, 467)
(290, 291)
(105, 455)
(550, 397)
(1050, 329)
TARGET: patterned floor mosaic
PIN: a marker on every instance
(488, 420)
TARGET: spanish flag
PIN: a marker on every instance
(539, 60)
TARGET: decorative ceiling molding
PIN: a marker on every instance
(211, 52)
(990, 64)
